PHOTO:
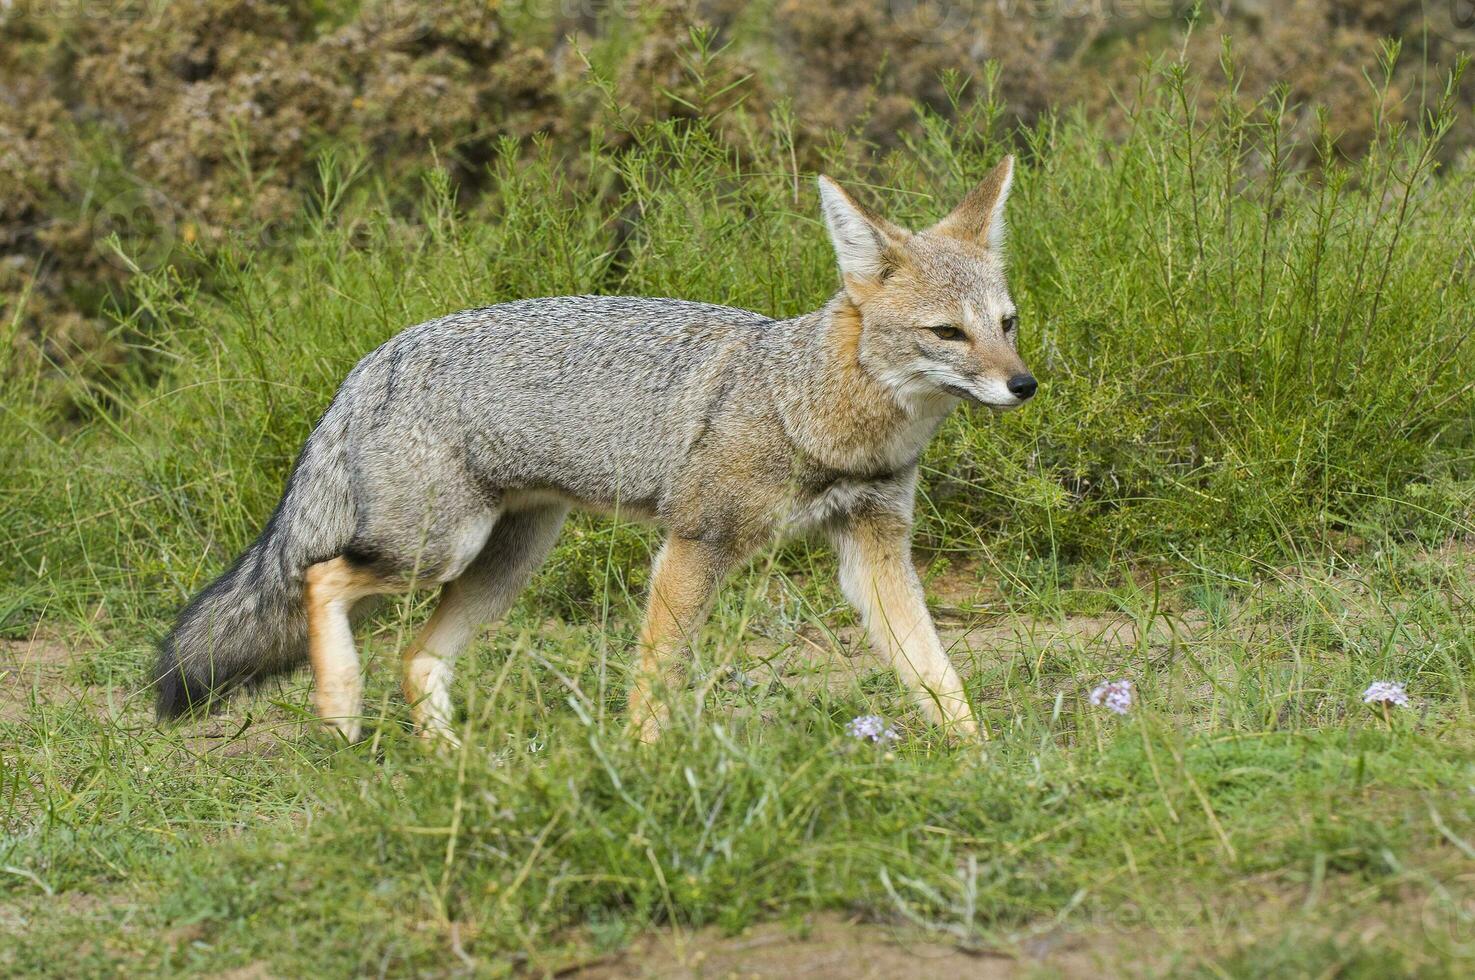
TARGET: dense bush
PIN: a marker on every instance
(188, 122)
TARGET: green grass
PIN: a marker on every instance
(1244, 486)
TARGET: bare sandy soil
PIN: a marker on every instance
(831, 947)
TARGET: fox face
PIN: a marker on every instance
(936, 318)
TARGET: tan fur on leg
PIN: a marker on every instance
(427, 667)
(684, 579)
(331, 588)
(487, 588)
(877, 576)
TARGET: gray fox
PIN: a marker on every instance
(451, 455)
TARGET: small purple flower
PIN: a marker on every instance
(871, 727)
(1113, 695)
(1386, 693)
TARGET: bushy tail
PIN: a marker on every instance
(246, 626)
(250, 624)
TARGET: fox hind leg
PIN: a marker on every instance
(517, 546)
(329, 592)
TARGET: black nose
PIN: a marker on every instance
(1022, 386)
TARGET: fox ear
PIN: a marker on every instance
(863, 242)
(980, 218)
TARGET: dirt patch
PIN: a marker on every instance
(829, 946)
(251, 971)
(1341, 921)
(36, 652)
(42, 674)
(837, 657)
(17, 915)
(1102, 632)
(33, 672)
(53, 671)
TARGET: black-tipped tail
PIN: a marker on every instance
(248, 625)
(176, 693)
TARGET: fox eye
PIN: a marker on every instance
(947, 332)
(1011, 323)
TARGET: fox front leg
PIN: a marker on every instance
(879, 579)
(684, 580)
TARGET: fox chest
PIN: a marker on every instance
(890, 443)
(833, 501)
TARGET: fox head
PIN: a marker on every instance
(936, 319)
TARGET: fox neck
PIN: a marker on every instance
(841, 413)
